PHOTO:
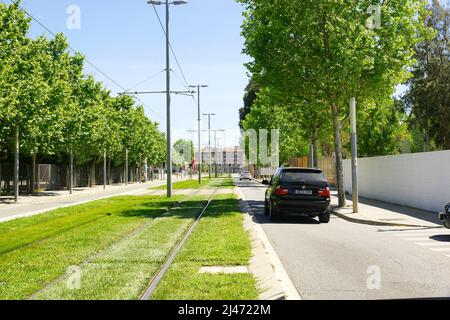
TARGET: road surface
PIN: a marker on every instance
(344, 260)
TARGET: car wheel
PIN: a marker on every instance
(324, 217)
(266, 209)
(273, 214)
(447, 223)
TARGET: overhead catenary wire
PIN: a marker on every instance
(85, 58)
(144, 81)
(171, 48)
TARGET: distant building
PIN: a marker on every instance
(228, 159)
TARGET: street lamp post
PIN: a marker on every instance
(209, 140)
(215, 151)
(199, 133)
(168, 96)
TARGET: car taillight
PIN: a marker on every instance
(325, 193)
(281, 191)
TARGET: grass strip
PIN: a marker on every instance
(124, 270)
(218, 240)
(226, 183)
(36, 250)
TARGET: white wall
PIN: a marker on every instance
(419, 180)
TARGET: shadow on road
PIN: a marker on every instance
(260, 218)
(412, 212)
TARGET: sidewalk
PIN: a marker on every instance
(378, 213)
(47, 201)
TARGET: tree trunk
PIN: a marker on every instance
(91, 174)
(338, 151)
(33, 174)
(315, 143)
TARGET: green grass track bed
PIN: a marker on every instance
(118, 244)
(218, 240)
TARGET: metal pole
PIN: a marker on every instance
(71, 171)
(169, 141)
(199, 141)
(354, 141)
(209, 144)
(16, 166)
(126, 167)
(215, 153)
(104, 169)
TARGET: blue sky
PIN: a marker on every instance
(125, 40)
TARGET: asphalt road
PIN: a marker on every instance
(344, 260)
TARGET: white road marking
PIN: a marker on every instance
(424, 238)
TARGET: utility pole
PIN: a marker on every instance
(71, 171)
(168, 92)
(209, 139)
(354, 142)
(199, 119)
(126, 167)
(104, 169)
(168, 97)
(215, 151)
(16, 165)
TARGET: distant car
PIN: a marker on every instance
(444, 216)
(245, 175)
(298, 191)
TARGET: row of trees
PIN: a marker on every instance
(50, 107)
(310, 57)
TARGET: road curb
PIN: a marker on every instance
(265, 265)
(373, 222)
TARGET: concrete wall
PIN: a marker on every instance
(420, 180)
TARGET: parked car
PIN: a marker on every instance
(245, 175)
(298, 191)
(444, 216)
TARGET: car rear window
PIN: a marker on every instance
(293, 176)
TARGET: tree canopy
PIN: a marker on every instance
(59, 109)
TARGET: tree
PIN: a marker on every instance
(49, 107)
(382, 128)
(324, 52)
(428, 98)
(250, 95)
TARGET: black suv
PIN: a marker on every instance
(298, 191)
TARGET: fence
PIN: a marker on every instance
(51, 177)
(302, 162)
(420, 180)
(327, 165)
